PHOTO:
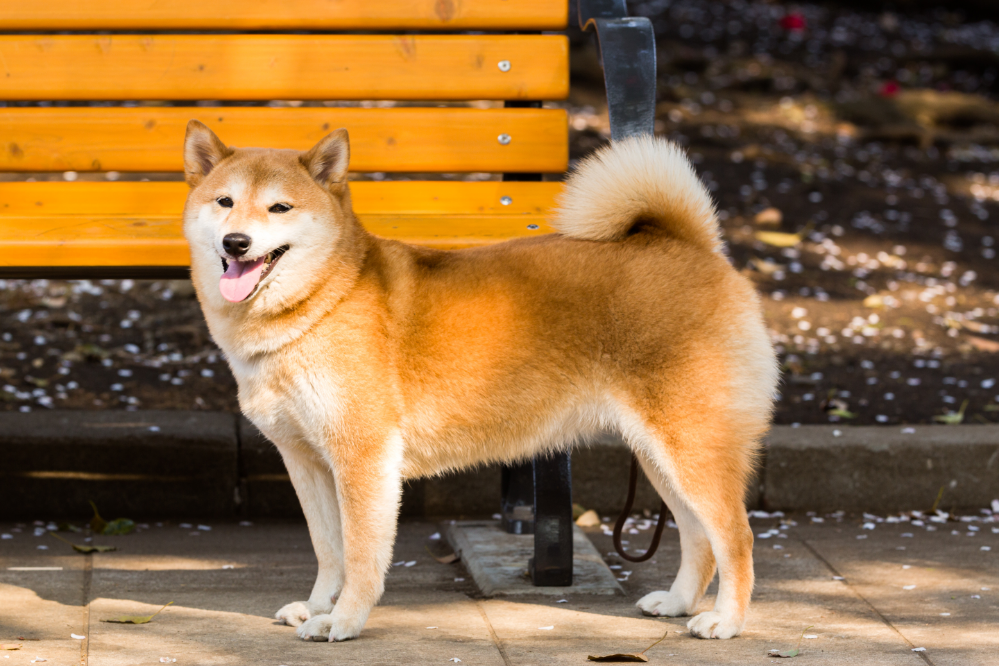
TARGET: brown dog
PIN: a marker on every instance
(368, 361)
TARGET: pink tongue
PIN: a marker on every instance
(240, 278)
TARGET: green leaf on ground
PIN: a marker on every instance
(842, 413)
(119, 526)
(135, 619)
(785, 654)
(116, 527)
(952, 418)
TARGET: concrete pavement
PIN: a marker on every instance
(429, 615)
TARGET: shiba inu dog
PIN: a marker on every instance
(368, 361)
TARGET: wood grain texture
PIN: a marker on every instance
(397, 139)
(286, 14)
(293, 67)
(139, 224)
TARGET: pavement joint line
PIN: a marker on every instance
(886, 621)
(88, 575)
(492, 633)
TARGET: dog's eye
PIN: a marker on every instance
(225, 202)
(279, 208)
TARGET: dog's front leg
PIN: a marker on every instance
(316, 488)
(369, 485)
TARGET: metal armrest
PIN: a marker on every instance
(628, 55)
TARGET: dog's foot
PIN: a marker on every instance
(297, 612)
(330, 628)
(664, 604)
(713, 625)
(316, 628)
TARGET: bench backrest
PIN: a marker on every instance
(152, 66)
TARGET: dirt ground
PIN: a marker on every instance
(855, 160)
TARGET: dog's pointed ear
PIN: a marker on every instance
(328, 160)
(202, 152)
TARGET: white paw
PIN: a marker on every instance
(714, 625)
(664, 604)
(316, 628)
(330, 628)
(294, 613)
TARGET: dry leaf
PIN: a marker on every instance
(874, 301)
(135, 619)
(769, 216)
(765, 267)
(10, 646)
(619, 658)
(981, 344)
(781, 239)
(82, 548)
(86, 550)
(627, 657)
(588, 519)
(442, 552)
(97, 524)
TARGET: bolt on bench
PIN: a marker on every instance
(148, 63)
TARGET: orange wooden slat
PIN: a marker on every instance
(284, 15)
(263, 67)
(138, 224)
(398, 139)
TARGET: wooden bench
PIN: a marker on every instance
(147, 63)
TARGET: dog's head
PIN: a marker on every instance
(264, 225)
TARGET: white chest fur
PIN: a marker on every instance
(291, 406)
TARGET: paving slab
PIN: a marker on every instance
(940, 590)
(223, 615)
(498, 561)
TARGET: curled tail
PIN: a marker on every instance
(642, 182)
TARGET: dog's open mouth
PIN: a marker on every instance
(241, 278)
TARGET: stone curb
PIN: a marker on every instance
(159, 464)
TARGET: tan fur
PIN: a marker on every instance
(368, 361)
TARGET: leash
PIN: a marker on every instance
(619, 525)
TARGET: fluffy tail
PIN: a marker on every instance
(640, 181)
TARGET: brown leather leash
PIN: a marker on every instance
(619, 525)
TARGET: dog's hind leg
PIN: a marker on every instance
(697, 562)
(316, 488)
(704, 476)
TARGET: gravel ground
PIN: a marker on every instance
(855, 160)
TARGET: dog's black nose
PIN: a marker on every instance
(236, 244)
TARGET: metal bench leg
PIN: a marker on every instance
(517, 503)
(538, 493)
(552, 562)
